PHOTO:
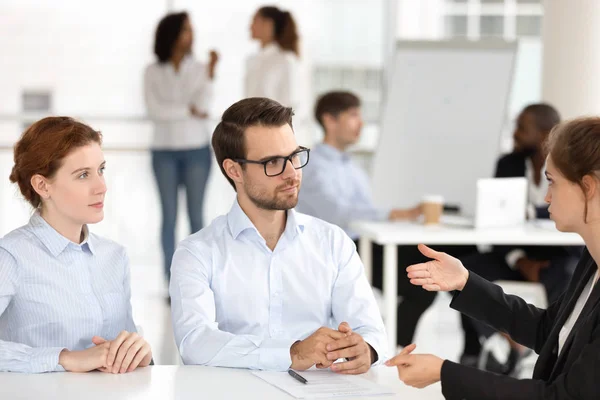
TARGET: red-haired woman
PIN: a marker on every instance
(64, 292)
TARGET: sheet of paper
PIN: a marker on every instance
(323, 384)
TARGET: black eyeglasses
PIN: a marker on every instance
(276, 165)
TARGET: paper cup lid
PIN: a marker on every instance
(433, 199)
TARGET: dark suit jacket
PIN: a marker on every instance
(513, 166)
(574, 374)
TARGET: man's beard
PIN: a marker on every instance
(278, 201)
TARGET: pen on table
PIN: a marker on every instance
(297, 377)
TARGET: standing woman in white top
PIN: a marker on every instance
(274, 72)
(178, 93)
(64, 292)
(567, 334)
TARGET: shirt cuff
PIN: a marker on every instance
(274, 354)
(383, 215)
(513, 256)
(451, 380)
(380, 348)
(45, 360)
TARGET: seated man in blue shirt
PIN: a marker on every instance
(338, 191)
(265, 287)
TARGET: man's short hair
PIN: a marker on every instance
(334, 103)
(228, 138)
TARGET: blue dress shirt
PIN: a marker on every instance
(55, 295)
(336, 190)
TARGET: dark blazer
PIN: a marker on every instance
(574, 374)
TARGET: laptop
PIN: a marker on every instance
(501, 202)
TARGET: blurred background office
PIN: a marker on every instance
(86, 59)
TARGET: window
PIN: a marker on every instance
(510, 20)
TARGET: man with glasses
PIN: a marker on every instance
(265, 287)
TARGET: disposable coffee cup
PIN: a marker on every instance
(433, 206)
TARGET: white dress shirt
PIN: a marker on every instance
(281, 76)
(273, 73)
(55, 295)
(536, 195)
(169, 94)
(235, 303)
(565, 331)
(336, 190)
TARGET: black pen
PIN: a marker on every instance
(297, 377)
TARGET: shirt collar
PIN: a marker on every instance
(271, 48)
(331, 152)
(239, 222)
(54, 241)
(184, 62)
(294, 224)
(88, 239)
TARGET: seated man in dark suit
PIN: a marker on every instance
(545, 264)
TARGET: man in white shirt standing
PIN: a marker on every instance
(265, 287)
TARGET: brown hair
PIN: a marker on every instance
(228, 138)
(574, 147)
(335, 103)
(167, 32)
(42, 147)
(284, 26)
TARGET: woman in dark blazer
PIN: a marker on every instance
(567, 334)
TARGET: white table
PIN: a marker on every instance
(392, 234)
(175, 382)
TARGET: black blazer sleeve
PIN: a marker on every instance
(580, 382)
(487, 302)
(527, 325)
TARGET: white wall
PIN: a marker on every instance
(91, 54)
(420, 20)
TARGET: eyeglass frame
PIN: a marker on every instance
(286, 158)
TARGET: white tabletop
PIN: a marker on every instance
(408, 233)
(175, 382)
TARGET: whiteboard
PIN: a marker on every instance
(442, 121)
